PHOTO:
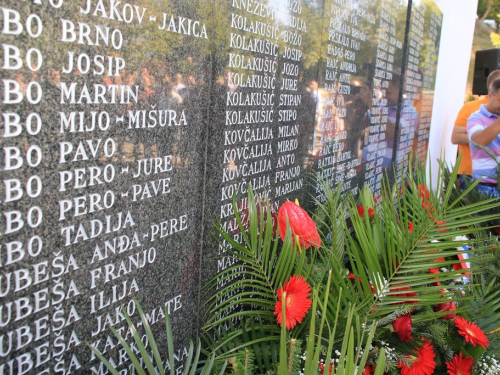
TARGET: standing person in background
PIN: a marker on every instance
(459, 135)
(483, 129)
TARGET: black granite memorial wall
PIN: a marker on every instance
(420, 76)
(127, 127)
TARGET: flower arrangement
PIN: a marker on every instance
(391, 267)
(383, 292)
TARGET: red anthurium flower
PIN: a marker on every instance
(371, 213)
(471, 332)
(459, 365)
(361, 211)
(434, 270)
(296, 304)
(303, 227)
(423, 364)
(446, 306)
(402, 326)
(410, 227)
(408, 294)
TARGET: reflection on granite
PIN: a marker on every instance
(128, 128)
(263, 109)
(420, 78)
(123, 105)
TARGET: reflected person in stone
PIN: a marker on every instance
(358, 119)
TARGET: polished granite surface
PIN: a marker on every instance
(128, 129)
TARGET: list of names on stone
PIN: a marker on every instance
(268, 113)
(341, 117)
(83, 166)
(128, 127)
(385, 97)
(288, 177)
(429, 79)
(251, 97)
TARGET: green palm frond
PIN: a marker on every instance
(330, 217)
(384, 252)
(394, 315)
(262, 268)
(484, 308)
(152, 360)
(261, 338)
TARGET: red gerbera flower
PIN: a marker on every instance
(459, 365)
(297, 304)
(369, 370)
(410, 227)
(424, 193)
(371, 213)
(302, 226)
(434, 251)
(408, 294)
(440, 225)
(446, 306)
(322, 368)
(402, 326)
(434, 270)
(361, 211)
(471, 332)
(423, 364)
(372, 288)
(352, 277)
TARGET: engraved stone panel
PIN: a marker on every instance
(344, 91)
(362, 49)
(103, 110)
(128, 127)
(387, 80)
(420, 78)
(263, 108)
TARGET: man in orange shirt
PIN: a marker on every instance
(459, 135)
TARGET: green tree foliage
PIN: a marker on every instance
(482, 6)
